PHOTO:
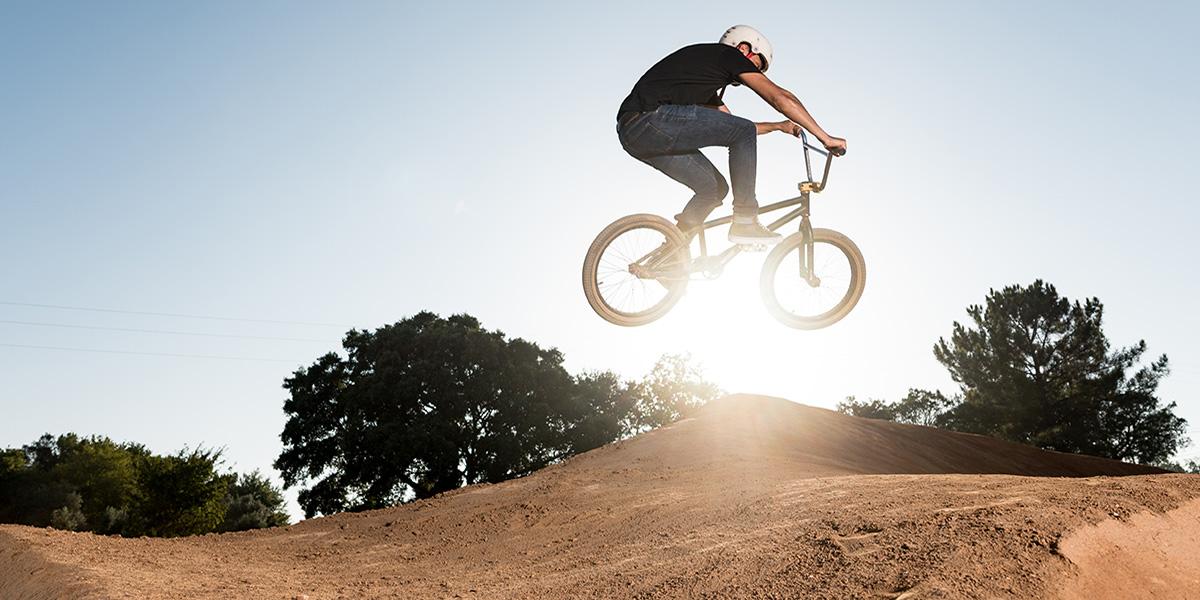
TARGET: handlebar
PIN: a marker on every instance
(808, 163)
(821, 151)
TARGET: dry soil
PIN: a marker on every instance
(755, 497)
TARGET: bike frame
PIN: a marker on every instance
(718, 262)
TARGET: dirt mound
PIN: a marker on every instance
(804, 441)
(755, 497)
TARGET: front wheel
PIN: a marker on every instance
(636, 270)
(813, 290)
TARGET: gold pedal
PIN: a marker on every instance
(753, 247)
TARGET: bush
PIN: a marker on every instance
(94, 484)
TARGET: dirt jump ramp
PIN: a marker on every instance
(754, 497)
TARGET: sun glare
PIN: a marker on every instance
(726, 328)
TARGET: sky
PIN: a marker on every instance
(293, 170)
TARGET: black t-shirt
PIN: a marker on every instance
(690, 75)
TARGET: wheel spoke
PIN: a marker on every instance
(624, 292)
(830, 264)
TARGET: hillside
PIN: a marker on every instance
(754, 497)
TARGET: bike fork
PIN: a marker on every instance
(807, 268)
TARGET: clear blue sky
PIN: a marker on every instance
(357, 163)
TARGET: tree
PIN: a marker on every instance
(923, 407)
(253, 502)
(69, 516)
(1036, 368)
(102, 473)
(94, 484)
(421, 407)
(867, 409)
(29, 490)
(917, 407)
(674, 389)
(429, 404)
(178, 495)
(603, 409)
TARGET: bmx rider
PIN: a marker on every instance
(675, 109)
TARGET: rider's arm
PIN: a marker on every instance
(760, 127)
(788, 104)
(787, 126)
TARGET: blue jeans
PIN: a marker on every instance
(669, 139)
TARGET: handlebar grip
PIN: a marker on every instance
(824, 151)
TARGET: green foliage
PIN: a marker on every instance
(1036, 368)
(923, 407)
(917, 407)
(601, 411)
(95, 484)
(429, 404)
(101, 471)
(253, 502)
(418, 408)
(70, 516)
(30, 491)
(672, 391)
(867, 409)
(178, 495)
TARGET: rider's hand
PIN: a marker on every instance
(789, 127)
(835, 145)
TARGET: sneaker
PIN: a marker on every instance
(747, 231)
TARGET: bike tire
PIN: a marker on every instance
(857, 279)
(592, 285)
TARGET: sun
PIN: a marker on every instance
(726, 328)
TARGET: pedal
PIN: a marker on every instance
(753, 247)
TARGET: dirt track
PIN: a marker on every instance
(756, 497)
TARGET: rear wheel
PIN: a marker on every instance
(812, 301)
(636, 270)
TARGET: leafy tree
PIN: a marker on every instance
(421, 407)
(923, 407)
(612, 409)
(177, 495)
(429, 404)
(867, 409)
(917, 407)
(253, 502)
(1037, 368)
(602, 410)
(102, 473)
(12, 461)
(30, 492)
(95, 484)
(674, 389)
(69, 516)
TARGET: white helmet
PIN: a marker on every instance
(758, 42)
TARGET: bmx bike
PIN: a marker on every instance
(639, 267)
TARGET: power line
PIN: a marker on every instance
(168, 332)
(171, 354)
(178, 315)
